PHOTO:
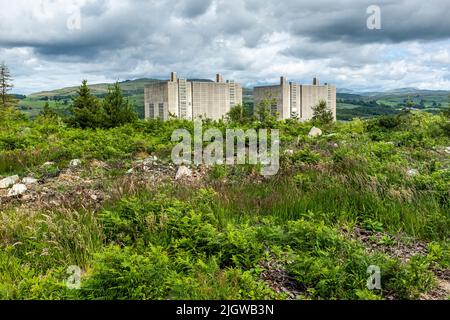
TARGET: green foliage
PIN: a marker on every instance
(48, 112)
(87, 112)
(322, 115)
(117, 110)
(6, 100)
(123, 274)
(218, 239)
(236, 114)
(265, 113)
(306, 156)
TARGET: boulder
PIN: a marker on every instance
(17, 190)
(8, 182)
(412, 172)
(315, 132)
(29, 180)
(75, 163)
(183, 172)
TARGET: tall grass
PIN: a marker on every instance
(334, 201)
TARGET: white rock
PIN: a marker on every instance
(130, 171)
(17, 190)
(447, 150)
(48, 164)
(315, 132)
(8, 182)
(148, 162)
(289, 152)
(75, 163)
(29, 180)
(412, 172)
(183, 172)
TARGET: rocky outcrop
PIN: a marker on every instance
(315, 132)
(17, 190)
(8, 182)
(183, 172)
(29, 181)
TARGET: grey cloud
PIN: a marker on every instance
(199, 37)
(194, 8)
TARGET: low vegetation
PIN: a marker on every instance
(364, 193)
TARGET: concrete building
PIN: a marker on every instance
(191, 99)
(292, 100)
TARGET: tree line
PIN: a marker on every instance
(86, 110)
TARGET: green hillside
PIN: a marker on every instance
(129, 87)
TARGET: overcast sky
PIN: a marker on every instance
(255, 41)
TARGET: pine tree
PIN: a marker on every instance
(5, 86)
(48, 112)
(236, 114)
(86, 108)
(117, 110)
(321, 114)
(265, 111)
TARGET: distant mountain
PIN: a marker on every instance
(344, 90)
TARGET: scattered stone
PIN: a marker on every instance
(335, 145)
(29, 180)
(98, 164)
(289, 152)
(27, 197)
(447, 150)
(147, 163)
(75, 163)
(17, 190)
(8, 182)
(315, 132)
(48, 164)
(130, 171)
(94, 197)
(412, 172)
(182, 172)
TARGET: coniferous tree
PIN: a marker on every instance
(236, 114)
(5, 86)
(266, 111)
(321, 114)
(48, 112)
(117, 110)
(87, 112)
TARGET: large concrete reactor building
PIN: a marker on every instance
(191, 99)
(292, 100)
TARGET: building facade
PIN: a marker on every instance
(191, 99)
(292, 100)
